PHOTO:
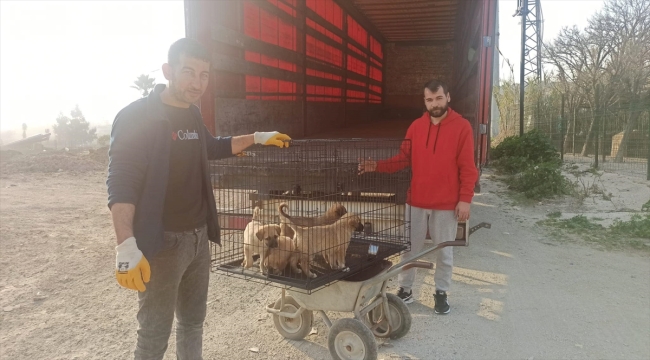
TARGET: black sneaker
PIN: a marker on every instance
(442, 305)
(407, 297)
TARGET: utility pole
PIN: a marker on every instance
(531, 54)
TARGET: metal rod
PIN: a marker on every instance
(325, 318)
(279, 312)
(596, 127)
(573, 141)
(648, 145)
(562, 129)
(303, 6)
(395, 269)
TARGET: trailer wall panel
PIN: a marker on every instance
(239, 116)
(408, 68)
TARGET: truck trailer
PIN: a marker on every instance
(343, 68)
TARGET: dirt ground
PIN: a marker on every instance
(517, 293)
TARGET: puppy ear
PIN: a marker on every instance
(260, 234)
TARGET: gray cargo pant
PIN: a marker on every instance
(442, 225)
(179, 284)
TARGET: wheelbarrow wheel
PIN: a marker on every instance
(350, 339)
(294, 329)
(400, 316)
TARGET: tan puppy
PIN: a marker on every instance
(331, 241)
(257, 239)
(278, 257)
(331, 215)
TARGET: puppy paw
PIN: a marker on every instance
(312, 275)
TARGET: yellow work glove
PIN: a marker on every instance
(131, 267)
(272, 138)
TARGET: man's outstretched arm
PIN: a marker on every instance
(223, 147)
(398, 162)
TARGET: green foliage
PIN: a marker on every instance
(533, 165)
(630, 234)
(638, 227)
(554, 215)
(511, 165)
(515, 154)
(646, 206)
(540, 181)
(575, 224)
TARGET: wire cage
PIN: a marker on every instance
(302, 217)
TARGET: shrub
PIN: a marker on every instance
(540, 181)
(516, 153)
(638, 226)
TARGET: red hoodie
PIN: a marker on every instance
(442, 162)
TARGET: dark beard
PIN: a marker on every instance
(437, 112)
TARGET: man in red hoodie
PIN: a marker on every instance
(440, 151)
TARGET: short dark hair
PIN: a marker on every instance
(188, 47)
(434, 85)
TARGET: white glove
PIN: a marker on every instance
(271, 138)
(131, 267)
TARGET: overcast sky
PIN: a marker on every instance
(55, 54)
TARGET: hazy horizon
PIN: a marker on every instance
(85, 53)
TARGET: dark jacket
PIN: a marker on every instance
(138, 167)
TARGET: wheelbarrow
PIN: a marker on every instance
(376, 313)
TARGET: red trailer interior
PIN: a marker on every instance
(342, 68)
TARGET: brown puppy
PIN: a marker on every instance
(331, 241)
(278, 257)
(331, 215)
(257, 239)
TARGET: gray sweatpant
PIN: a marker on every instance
(442, 226)
(179, 284)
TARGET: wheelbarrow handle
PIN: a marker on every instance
(403, 265)
(418, 264)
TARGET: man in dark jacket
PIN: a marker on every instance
(162, 204)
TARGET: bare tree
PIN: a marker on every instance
(507, 99)
(581, 58)
(606, 65)
(625, 26)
